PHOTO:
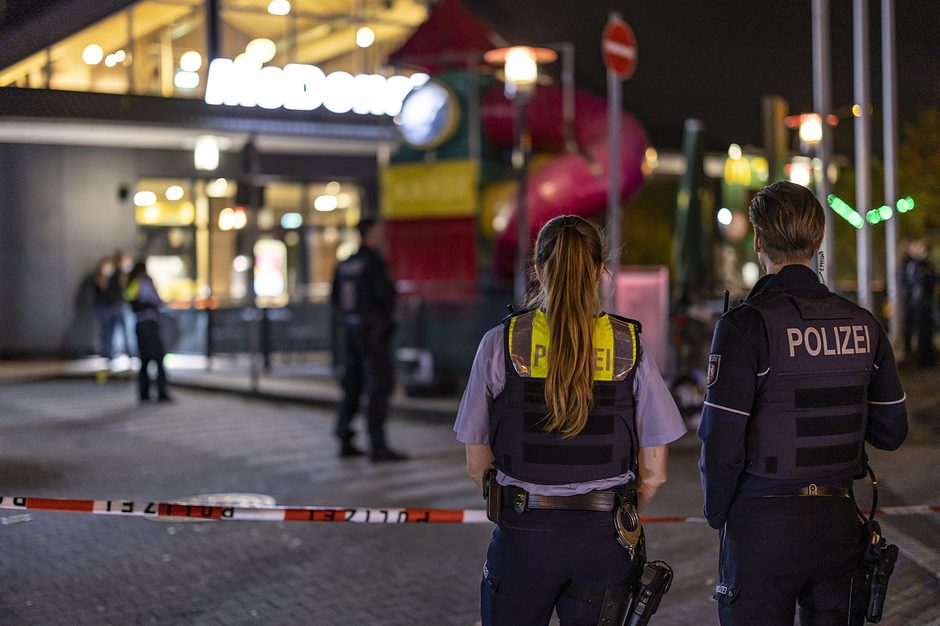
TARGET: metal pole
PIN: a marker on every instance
(568, 96)
(614, 85)
(474, 140)
(252, 167)
(47, 70)
(889, 99)
(213, 38)
(862, 152)
(131, 48)
(822, 99)
(520, 159)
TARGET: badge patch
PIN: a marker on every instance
(714, 363)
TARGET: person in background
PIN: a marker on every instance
(103, 308)
(120, 315)
(799, 379)
(917, 292)
(146, 304)
(566, 418)
(363, 308)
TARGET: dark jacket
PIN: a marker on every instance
(363, 291)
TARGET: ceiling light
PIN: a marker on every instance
(174, 193)
(92, 54)
(365, 37)
(191, 61)
(279, 7)
(145, 198)
(325, 203)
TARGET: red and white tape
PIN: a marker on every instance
(216, 512)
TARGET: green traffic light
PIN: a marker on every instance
(885, 213)
(845, 211)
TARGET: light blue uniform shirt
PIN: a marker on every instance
(657, 418)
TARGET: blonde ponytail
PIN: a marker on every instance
(568, 253)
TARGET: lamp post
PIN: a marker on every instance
(521, 69)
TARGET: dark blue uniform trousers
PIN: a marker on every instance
(150, 347)
(778, 551)
(534, 555)
(367, 359)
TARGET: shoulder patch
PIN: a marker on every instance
(714, 364)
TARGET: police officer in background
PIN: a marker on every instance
(564, 402)
(146, 304)
(798, 380)
(363, 306)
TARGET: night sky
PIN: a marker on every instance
(714, 59)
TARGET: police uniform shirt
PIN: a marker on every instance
(657, 418)
(739, 366)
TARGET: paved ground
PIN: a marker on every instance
(76, 438)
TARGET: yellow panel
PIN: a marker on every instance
(603, 349)
(443, 189)
(540, 343)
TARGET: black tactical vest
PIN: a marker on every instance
(809, 419)
(608, 444)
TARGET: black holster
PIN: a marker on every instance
(492, 495)
(630, 605)
(870, 585)
(648, 592)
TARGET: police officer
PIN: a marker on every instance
(572, 412)
(363, 305)
(145, 302)
(798, 380)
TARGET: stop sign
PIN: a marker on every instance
(619, 48)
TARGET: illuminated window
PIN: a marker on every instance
(165, 211)
(152, 47)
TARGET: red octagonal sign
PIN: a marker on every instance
(619, 47)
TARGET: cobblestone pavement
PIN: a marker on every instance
(77, 439)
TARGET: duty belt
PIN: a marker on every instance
(815, 490)
(522, 500)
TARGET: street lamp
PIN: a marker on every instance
(521, 69)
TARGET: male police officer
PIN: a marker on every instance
(363, 304)
(798, 380)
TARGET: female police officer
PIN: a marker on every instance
(574, 415)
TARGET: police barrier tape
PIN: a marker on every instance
(312, 513)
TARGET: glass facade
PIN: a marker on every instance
(160, 47)
(196, 236)
(196, 233)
